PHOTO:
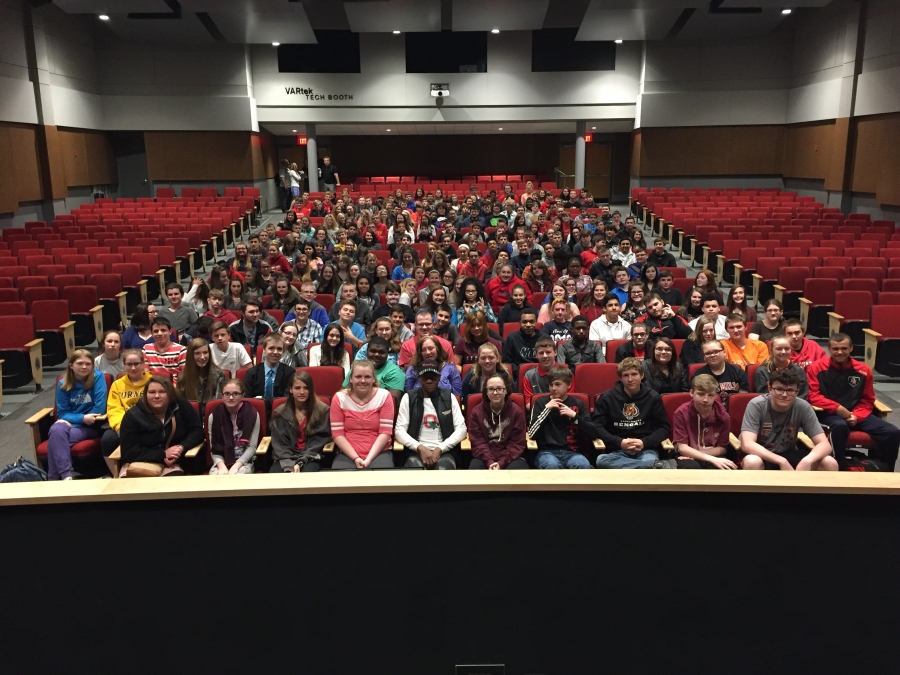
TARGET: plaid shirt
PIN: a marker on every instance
(309, 334)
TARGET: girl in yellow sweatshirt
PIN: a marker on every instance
(124, 393)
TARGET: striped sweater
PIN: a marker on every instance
(362, 423)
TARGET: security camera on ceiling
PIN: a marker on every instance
(440, 90)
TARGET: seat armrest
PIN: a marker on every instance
(734, 442)
(599, 444)
(805, 307)
(35, 423)
(834, 322)
(465, 445)
(263, 446)
(668, 445)
(398, 447)
(881, 409)
(530, 444)
(871, 346)
(779, 292)
(805, 441)
(329, 447)
(193, 452)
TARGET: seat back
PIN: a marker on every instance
(821, 291)
(793, 278)
(889, 298)
(768, 268)
(35, 293)
(853, 305)
(869, 285)
(593, 379)
(14, 308)
(82, 299)
(673, 402)
(328, 380)
(886, 320)
(50, 314)
(737, 406)
(17, 331)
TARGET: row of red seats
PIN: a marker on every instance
(207, 192)
(484, 178)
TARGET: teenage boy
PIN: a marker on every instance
(710, 308)
(520, 346)
(623, 253)
(392, 299)
(631, 421)
(610, 326)
(661, 321)
(269, 379)
(636, 347)
(842, 387)
(256, 252)
(522, 259)
(430, 423)
(316, 311)
(250, 330)
(579, 349)
(228, 356)
(217, 311)
(667, 291)
(559, 423)
(622, 283)
(363, 311)
(730, 379)
(739, 349)
(162, 356)
(182, 317)
(558, 328)
(803, 350)
(535, 380)
(424, 328)
(308, 331)
(770, 427)
(583, 283)
(474, 266)
(387, 374)
(701, 428)
(660, 256)
(354, 333)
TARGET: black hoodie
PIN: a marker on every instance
(618, 416)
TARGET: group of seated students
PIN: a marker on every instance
(413, 361)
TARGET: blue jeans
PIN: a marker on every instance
(619, 459)
(560, 458)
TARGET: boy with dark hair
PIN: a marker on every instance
(771, 426)
(579, 349)
(667, 291)
(558, 424)
(520, 346)
(631, 421)
(730, 379)
(660, 256)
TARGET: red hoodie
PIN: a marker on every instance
(809, 352)
(497, 438)
(497, 292)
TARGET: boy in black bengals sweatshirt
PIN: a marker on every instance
(558, 423)
(631, 420)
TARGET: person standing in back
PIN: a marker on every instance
(329, 175)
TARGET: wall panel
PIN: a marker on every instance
(8, 200)
(868, 153)
(807, 150)
(199, 156)
(75, 161)
(23, 142)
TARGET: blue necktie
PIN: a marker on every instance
(270, 384)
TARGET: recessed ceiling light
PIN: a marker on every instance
(103, 17)
(618, 42)
(294, 131)
(499, 128)
(388, 129)
(276, 44)
(786, 10)
(495, 31)
(594, 128)
(396, 32)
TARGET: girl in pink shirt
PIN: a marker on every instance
(362, 421)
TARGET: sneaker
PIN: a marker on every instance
(665, 464)
(68, 478)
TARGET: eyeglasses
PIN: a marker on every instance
(133, 365)
(713, 352)
(785, 392)
(662, 349)
(231, 394)
(496, 390)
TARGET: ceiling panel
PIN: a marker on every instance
(187, 30)
(728, 26)
(419, 16)
(262, 22)
(478, 15)
(112, 6)
(601, 23)
(452, 128)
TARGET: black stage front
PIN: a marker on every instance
(544, 582)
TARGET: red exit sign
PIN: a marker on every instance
(588, 138)
(301, 140)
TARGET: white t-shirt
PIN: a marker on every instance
(604, 331)
(232, 360)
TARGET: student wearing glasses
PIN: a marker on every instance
(233, 429)
(771, 425)
(731, 379)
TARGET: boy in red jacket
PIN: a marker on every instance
(842, 387)
(803, 350)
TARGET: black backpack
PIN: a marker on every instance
(858, 461)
